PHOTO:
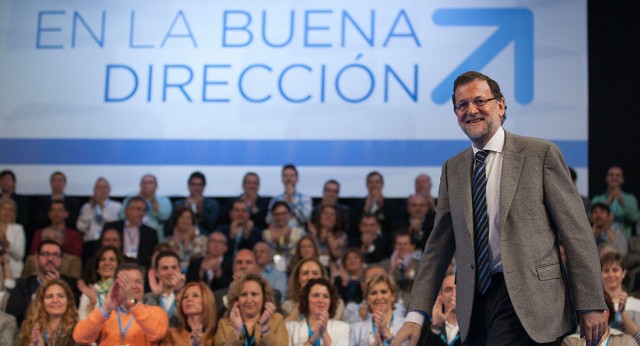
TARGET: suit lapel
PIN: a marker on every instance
(512, 164)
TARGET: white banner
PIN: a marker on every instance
(123, 88)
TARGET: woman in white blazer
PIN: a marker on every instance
(382, 325)
(318, 301)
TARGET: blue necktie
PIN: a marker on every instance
(481, 222)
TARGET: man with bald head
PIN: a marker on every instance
(158, 209)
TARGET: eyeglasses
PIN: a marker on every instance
(463, 106)
(50, 254)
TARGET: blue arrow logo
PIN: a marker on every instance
(514, 25)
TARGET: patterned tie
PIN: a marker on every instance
(481, 223)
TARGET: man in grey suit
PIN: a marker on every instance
(505, 224)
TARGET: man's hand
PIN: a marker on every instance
(154, 284)
(113, 298)
(409, 332)
(177, 281)
(592, 326)
(438, 316)
(51, 275)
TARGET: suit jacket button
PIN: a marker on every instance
(473, 267)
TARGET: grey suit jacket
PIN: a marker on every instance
(538, 205)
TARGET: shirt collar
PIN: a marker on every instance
(495, 144)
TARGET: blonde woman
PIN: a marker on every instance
(197, 315)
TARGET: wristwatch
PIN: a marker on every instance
(131, 303)
(436, 329)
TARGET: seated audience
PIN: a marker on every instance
(380, 295)
(373, 243)
(205, 210)
(42, 204)
(330, 196)
(185, 241)
(70, 266)
(626, 308)
(258, 206)
(277, 279)
(357, 311)
(305, 248)
(243, 263)
(306, 270)
(12, 237)
(347, 279)
(605, 231)
(299, 204)
(165, 281)
(57, 217)
(403, 265)
(215, 268)
(109, 237)
(197, 315)
(123, 319)
(327, 233)
(318, 303)
(422, 186)
(8, 192)
(94, 214)
(103, 270)
(282, 237)
(51, 316)
(444, 330)
(420, 220)
(138, 238)
(241, 232)
(157, 209)
(49, 260)
(385, 211)
(611, 335)
(623, 205)
(251, 319)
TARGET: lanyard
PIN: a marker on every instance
(444, 338)
(373, 325)
(317, 343)
(123, 332)
(245, 336)
(173, 304)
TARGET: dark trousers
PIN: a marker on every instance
(494, 320)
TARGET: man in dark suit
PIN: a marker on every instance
(138, 240)
(215, 267)
(419, 221)
(48, 262)
(504, 223)
(240, 231)
(373, 243)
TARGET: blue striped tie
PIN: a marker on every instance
(481, 222)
